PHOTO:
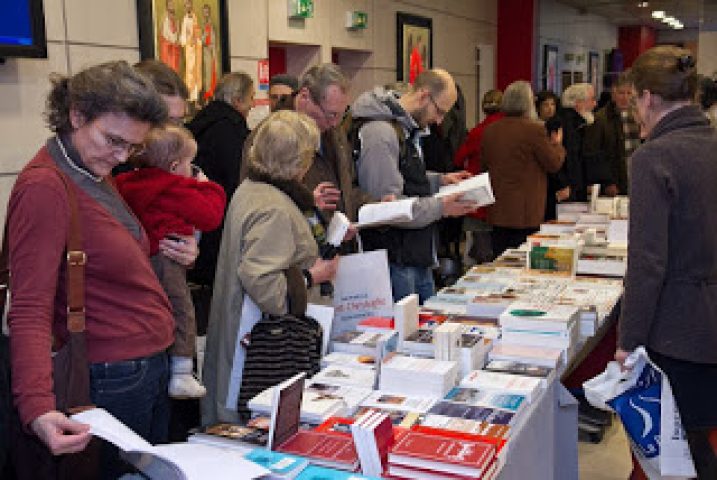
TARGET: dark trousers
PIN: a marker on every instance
(135, 392)
(504, 238)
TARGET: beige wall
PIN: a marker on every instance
(82, 32)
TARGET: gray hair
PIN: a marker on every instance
(284, 145)
(518, 100)
(320, 77)
(574, 94)
(234, 86)
(112, 87)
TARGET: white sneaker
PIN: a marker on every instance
(184, 385)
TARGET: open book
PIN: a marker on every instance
(474, 189)
(180, 461)
(386, 213)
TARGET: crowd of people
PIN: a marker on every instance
(164, 205)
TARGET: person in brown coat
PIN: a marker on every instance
(518, 154)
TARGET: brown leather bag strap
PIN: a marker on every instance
(76, 258)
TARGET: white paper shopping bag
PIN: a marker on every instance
(362, 288)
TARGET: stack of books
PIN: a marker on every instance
(336, 374)
(422, 455)
(373, 436)
(549, 357)
(318, 402)
(541, 324)
(399, 374)
(504, 383)
(372, 343)
(447, 341)
(402, 403)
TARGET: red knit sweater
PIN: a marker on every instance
(167, 203)
(128, 314)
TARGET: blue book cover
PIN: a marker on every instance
(471, 396)
(278, 463)
(312, 472)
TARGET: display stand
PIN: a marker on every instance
(545, 447)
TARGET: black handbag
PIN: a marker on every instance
(280, 346)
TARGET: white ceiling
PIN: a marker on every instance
(692, 13)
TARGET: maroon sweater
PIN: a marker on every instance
(128, 314)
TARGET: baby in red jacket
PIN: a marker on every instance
(169, 200)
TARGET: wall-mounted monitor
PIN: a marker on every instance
(22, 29)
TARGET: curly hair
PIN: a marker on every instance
(284, 145)
(165, 145)
(113, 87)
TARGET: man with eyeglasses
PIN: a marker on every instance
(323, 95)
(390, 162)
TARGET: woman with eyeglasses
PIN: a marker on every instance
(99, 118)
(670, 299)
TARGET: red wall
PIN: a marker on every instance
(516, 41)
(633, 40)
(277, 60)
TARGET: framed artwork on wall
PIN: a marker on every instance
(191, 36)
(414, 41)
(550, 68)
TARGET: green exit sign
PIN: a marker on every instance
(301, 8)
(356, 20)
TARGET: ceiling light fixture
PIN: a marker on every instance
(658, 14)
(643, 4)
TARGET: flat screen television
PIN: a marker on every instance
(22, 29)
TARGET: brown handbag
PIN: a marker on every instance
(70, 368)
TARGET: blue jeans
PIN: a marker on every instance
(134, 391)
(407, 280)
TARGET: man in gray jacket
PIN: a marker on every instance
(390, 162)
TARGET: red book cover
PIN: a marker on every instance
(383, 433)
(377, 322)
(336, 426)
(441, 453)
(499, 443)
(325, 447)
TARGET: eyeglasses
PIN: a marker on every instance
(330, 116)
(439, 110)
(120, 145)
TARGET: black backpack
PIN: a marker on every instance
(351, 127)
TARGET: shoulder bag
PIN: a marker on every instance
(31, 458)
(280, 346)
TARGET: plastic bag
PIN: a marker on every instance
(642, 398)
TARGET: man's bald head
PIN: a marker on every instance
(433, 93)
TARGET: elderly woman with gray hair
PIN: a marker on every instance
(266, 232)
(518, 154)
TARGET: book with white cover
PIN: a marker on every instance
(405, 316)
(178, 461)
(400, 403)
(315, 406)
(542, 355)
(349, 359)
(386, 213)
(503, 383)
(475, 189)
(543, 317)
(344, 375)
